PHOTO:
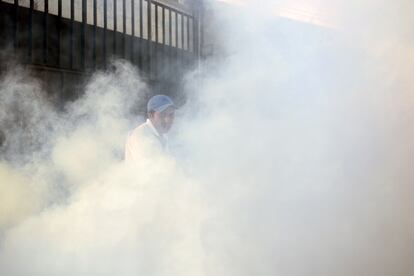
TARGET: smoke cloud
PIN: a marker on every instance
(291, 156)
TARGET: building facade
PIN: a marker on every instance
(64, 41)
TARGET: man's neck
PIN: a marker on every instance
(154, 129)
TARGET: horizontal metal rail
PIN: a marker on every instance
(100, 11)
(84, 35)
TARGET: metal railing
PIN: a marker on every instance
(125, 28)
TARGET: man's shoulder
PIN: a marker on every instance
(141, 130)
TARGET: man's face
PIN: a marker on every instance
(163, 121)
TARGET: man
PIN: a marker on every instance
(150, 137)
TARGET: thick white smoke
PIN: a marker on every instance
(292, 157)
(68, 196)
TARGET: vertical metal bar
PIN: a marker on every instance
(45, 32)
(195, 36)
(133, 17)
(83, 33)
(176, 53)
(188, 33)
(163, 56)
(30, 36)
(114, 32)
(156, 23)
(176, 29)
(62, 76)
(200, 30)
(149, 6)
(15, 25)
(156, 52)
(170, 49)
(149, 19)
(95, 22)
(124, 27)
(169, 27)
(72, 17)
(104, 33)
(141, 31)
(141, 20)
(132, 30)
(59, 30)
(163, 25)
(182, 31)
(182, 60)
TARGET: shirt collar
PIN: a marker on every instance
(154, 130)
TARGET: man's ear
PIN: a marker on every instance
(150, 114)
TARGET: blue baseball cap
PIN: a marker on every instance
(159, 103)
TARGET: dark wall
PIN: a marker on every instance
(64, 53)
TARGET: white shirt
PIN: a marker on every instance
(145, 141)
